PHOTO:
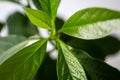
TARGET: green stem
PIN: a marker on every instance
(53, 33)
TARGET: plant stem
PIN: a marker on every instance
(53, 33)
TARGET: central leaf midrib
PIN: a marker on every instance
(27, 60)
(77, 26)
(6, 52)
(36, 17)
(50, 9)
(67, 65)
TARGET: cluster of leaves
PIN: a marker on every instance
(83, 31)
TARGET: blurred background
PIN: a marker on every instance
(12, 10)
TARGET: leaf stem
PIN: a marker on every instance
(53, 32)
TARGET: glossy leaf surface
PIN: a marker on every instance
(50, 7)
(20, 25)
(9, 41)
(68, 67)
(96, 69)
(38, 18)
(92, 23)
(24, 64)
(4, 55)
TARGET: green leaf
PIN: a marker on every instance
(37, 4)
(92, 23)
(109, 45)
(50, 7)
(38, 18)
(99, 48)
(20, 25)
(68, 67)
(24, 64)
(1, 26)
(11, 51)
(47, 71)
(10, 41)
(96, 69)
